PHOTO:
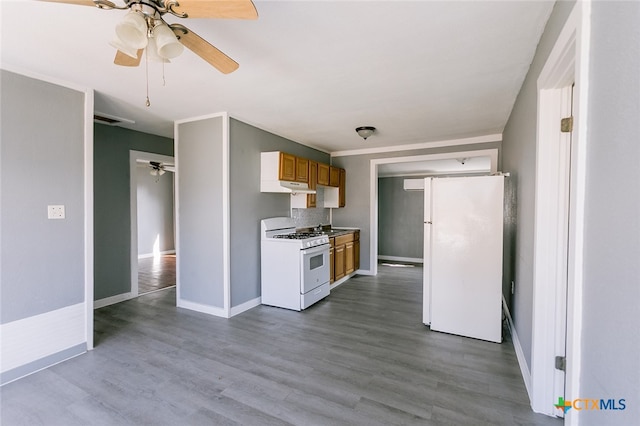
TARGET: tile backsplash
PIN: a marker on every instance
(304, 218)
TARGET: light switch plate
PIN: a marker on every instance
(55, 212)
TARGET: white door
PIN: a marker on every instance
(466, 256)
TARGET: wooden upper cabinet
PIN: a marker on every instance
(313, 178)
(334, 176)
(302, 169)
(341, 188)
(287, 167)
(323, 174)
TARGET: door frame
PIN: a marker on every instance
(134, 156)
(566, 64)
(373, 195)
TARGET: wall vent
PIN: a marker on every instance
(109, 120)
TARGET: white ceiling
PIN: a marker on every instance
(311, 71)
(449, 166)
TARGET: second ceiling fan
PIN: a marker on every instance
(144, 28)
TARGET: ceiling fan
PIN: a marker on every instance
(144, 28)
(157, 168)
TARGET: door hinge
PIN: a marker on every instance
(566, 125)
(561, 363)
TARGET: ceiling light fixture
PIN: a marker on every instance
(365, 131)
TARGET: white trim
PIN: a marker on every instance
(496, 137)
(517, 346)
(36, 337)
(226, 207)
(373, 188)
(112, 300)
(567, 62)
(88, 217)
(198, 118)
(245, 306)
(134, 156)
(162, 253)
(365, 272)
(205, 309)
(401, 259)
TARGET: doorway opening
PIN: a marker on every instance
(153, 254)
(559, 221)
(418, 165)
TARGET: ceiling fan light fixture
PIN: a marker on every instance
(132, 30)
(152, 52)
(365, 131)
(127, 50)
(167, 43)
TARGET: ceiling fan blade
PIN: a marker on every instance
(204, 49)
(225, 9)
(126, 60)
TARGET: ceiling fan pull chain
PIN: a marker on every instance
(164, 82)
(146, 69)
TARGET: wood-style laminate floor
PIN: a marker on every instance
(155, 273)
(359, 357)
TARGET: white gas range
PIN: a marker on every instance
(294, 266)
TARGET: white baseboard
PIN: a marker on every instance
(112, 300)
(365, 272)
(344, 279)
(30, 339)
(401, 259)
(205, 309)
(522, 362)
(162, 253)
(235, 310)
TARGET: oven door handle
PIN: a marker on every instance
(316, 249)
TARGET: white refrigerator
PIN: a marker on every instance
(463, 223)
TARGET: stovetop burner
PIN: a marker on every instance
(299, 235)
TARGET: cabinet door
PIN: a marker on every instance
(356, 255)
(348, 258)
(287, 167)
(313, 178)
(341, 188)
(323, 174)
(338, 262)
(332, 273)
(302, 170)
(334, 176)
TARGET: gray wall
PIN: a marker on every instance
(155, 211)
(611, 299)
(519, 158)
(356, 211)
(249, 205)
(41, 163)
(112, 204)
(200, 211)
(400, 219)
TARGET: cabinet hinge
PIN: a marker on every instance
(566, 125)
(561, 363)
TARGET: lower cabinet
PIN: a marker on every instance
(344, 255)
(348, 258)
(338, 262)
(332, 275)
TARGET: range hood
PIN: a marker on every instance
(297, 187)
(284, 186)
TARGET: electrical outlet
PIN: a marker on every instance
(513, 287)
(55, 212)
